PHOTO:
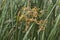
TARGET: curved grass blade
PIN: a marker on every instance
(28, 32)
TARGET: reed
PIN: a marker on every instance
(29, 19)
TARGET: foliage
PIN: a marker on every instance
(29, 19)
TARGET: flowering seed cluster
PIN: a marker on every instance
(30, 15)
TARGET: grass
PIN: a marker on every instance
(29, 19)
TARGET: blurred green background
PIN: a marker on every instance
(29, 19)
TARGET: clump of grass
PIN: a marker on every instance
(29, 20)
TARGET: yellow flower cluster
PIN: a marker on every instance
(30, 15)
